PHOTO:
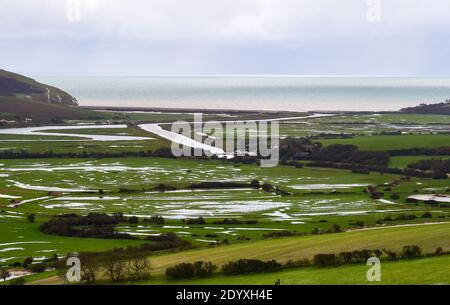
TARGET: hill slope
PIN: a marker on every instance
(22, 97)
(15, 85)
(441, 108)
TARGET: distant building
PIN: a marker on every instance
(28, 121)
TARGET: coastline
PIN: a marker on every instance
(230, 111)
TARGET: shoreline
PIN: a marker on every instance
(232, 111)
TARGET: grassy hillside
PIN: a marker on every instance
(15, 85)
(22, 97)
(429, 237)
(407, 272)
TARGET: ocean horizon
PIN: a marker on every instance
(255, 92)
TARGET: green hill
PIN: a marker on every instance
(23, 98)
(440, 108)
(15, 85)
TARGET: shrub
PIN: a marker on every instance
(427, 215)
(133, 220)
(298, 264)
(278, 234)
(204, 269)
(248, 266)
(38, 268)
(411, 252)
(138, 268)
(392, 255)
(197, 221)
(324, 260)
(395, 196)
(27, 261)
(346, 257)
(188, 270)
(405, 217)
(157, 220)
(181, 271)
(4, 274)
(17, 282)
(337, 228)
(167, 237)
(31, 218)
(357, 223)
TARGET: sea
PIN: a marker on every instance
(253, 92)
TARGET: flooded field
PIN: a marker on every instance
(319, 198)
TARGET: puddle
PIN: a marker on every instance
(38, 131)
(325, 186)
(10, 249)
(430, 197)
(48, 188)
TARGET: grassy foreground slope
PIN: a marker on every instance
(425, 271)
(429, 237)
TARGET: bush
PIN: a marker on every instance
(439, 251)
(38, 268)
(17, 282)
(405, 217)
(336, 228)
(298, 264)
(133, 220)
(27, 261)
(395, 196)
(31, 218)
(181, 271)
(325, 260)
(427, 215)
(357, 223)
(248, 266)
(392, 255)
(188, 270)
(4, 274)
(197, 221)
(157, 220)
(411, 252)
(278, 234)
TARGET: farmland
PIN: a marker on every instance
(320, 210)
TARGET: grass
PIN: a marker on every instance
(19, 231)
(404, 161)
(425, 271)
(393, 142)
(389, 118)
(429, 237)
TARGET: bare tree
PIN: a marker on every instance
(4, 274)
(115, 267)
(139, 268)
(89, 268)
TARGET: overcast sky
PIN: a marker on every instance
(323, 37)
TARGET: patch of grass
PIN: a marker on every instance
(404, 161)
(377, 143)
(425, 271)
(429, 237)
